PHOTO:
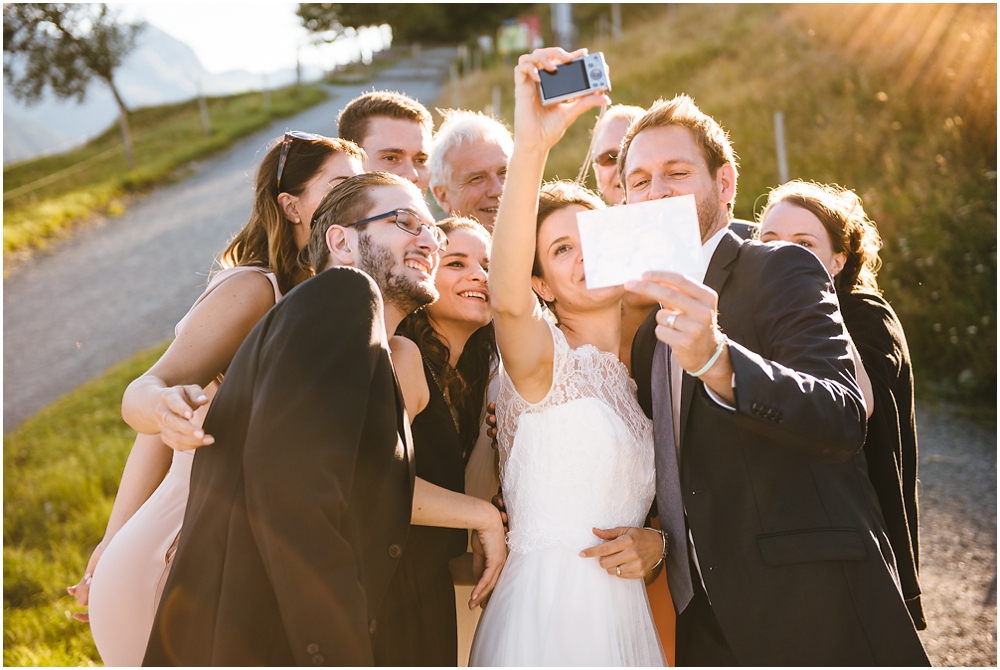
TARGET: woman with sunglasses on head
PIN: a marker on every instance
(831, 222)
(457, 354)
(167, 404)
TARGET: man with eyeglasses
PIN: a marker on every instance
(395, 132)
(300, 511)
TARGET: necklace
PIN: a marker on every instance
(451, 410)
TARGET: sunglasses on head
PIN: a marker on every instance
(286, 145)
(409, 222)
(607, 158)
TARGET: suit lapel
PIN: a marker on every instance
(715, 277)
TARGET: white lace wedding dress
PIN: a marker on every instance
(579, 459)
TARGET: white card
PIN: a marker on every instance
(620, 243)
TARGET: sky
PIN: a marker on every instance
(257, 37)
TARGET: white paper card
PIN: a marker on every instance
(620, 243)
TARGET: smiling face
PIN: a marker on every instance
(665, 161)
(462, 283)
(402, 265)
(477, 173)
(786, 222)
(607, 143)
(560, 257)
(398, 146)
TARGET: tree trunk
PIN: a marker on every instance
(123, 123)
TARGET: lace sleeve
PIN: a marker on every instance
(510, 404)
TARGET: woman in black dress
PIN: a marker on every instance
(831, 222)
(417, 621)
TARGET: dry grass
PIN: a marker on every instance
(895, 102)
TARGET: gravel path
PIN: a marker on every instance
(119, 286)
(958, 542)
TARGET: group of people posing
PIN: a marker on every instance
(315, 447)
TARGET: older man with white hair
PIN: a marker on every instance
(469, 164)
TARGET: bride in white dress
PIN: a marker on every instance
(576, 450)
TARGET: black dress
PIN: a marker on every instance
(891, 444)
(417, 623)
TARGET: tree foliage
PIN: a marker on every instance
(62, 47)
(411, 22)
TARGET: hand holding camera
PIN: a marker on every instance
(543, 110)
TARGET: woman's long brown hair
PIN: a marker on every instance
(267, 239)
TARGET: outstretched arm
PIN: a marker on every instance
(523, 337)
(802, 391)
(166, 398)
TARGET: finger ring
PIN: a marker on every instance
(670, 321)
(619, 570)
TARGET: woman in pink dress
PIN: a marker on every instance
(166, 406)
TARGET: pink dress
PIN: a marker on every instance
(129, 579)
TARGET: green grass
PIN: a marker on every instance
(61, 471)
(167, 139)
(896, 102)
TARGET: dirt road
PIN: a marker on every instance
(118, 287)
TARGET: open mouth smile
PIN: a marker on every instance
(419, 264)
(475, 295)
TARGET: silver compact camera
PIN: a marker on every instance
(571, 80)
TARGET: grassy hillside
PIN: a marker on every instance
(897, 102)
(45, 196)
(60, 473)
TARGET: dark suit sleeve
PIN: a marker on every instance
(309, 406)
(891, 443)
(800, 390)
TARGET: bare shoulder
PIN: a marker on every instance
(410, 372)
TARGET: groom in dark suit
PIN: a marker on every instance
(778, 550)
(300, 510)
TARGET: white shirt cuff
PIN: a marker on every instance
(718, 400)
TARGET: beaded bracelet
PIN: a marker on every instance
(713, 359)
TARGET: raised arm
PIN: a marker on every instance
(523, 337)
(166, 398)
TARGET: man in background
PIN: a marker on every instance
(469, 165)
(395, 132)
(608, 134)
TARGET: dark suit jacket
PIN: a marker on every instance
(298, 513)
(787, 528)
(891, 444)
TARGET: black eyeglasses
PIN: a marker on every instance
(409, 222)
(607, 159)
(286, 145)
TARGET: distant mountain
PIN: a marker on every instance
(22, 138)
(161, 70)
